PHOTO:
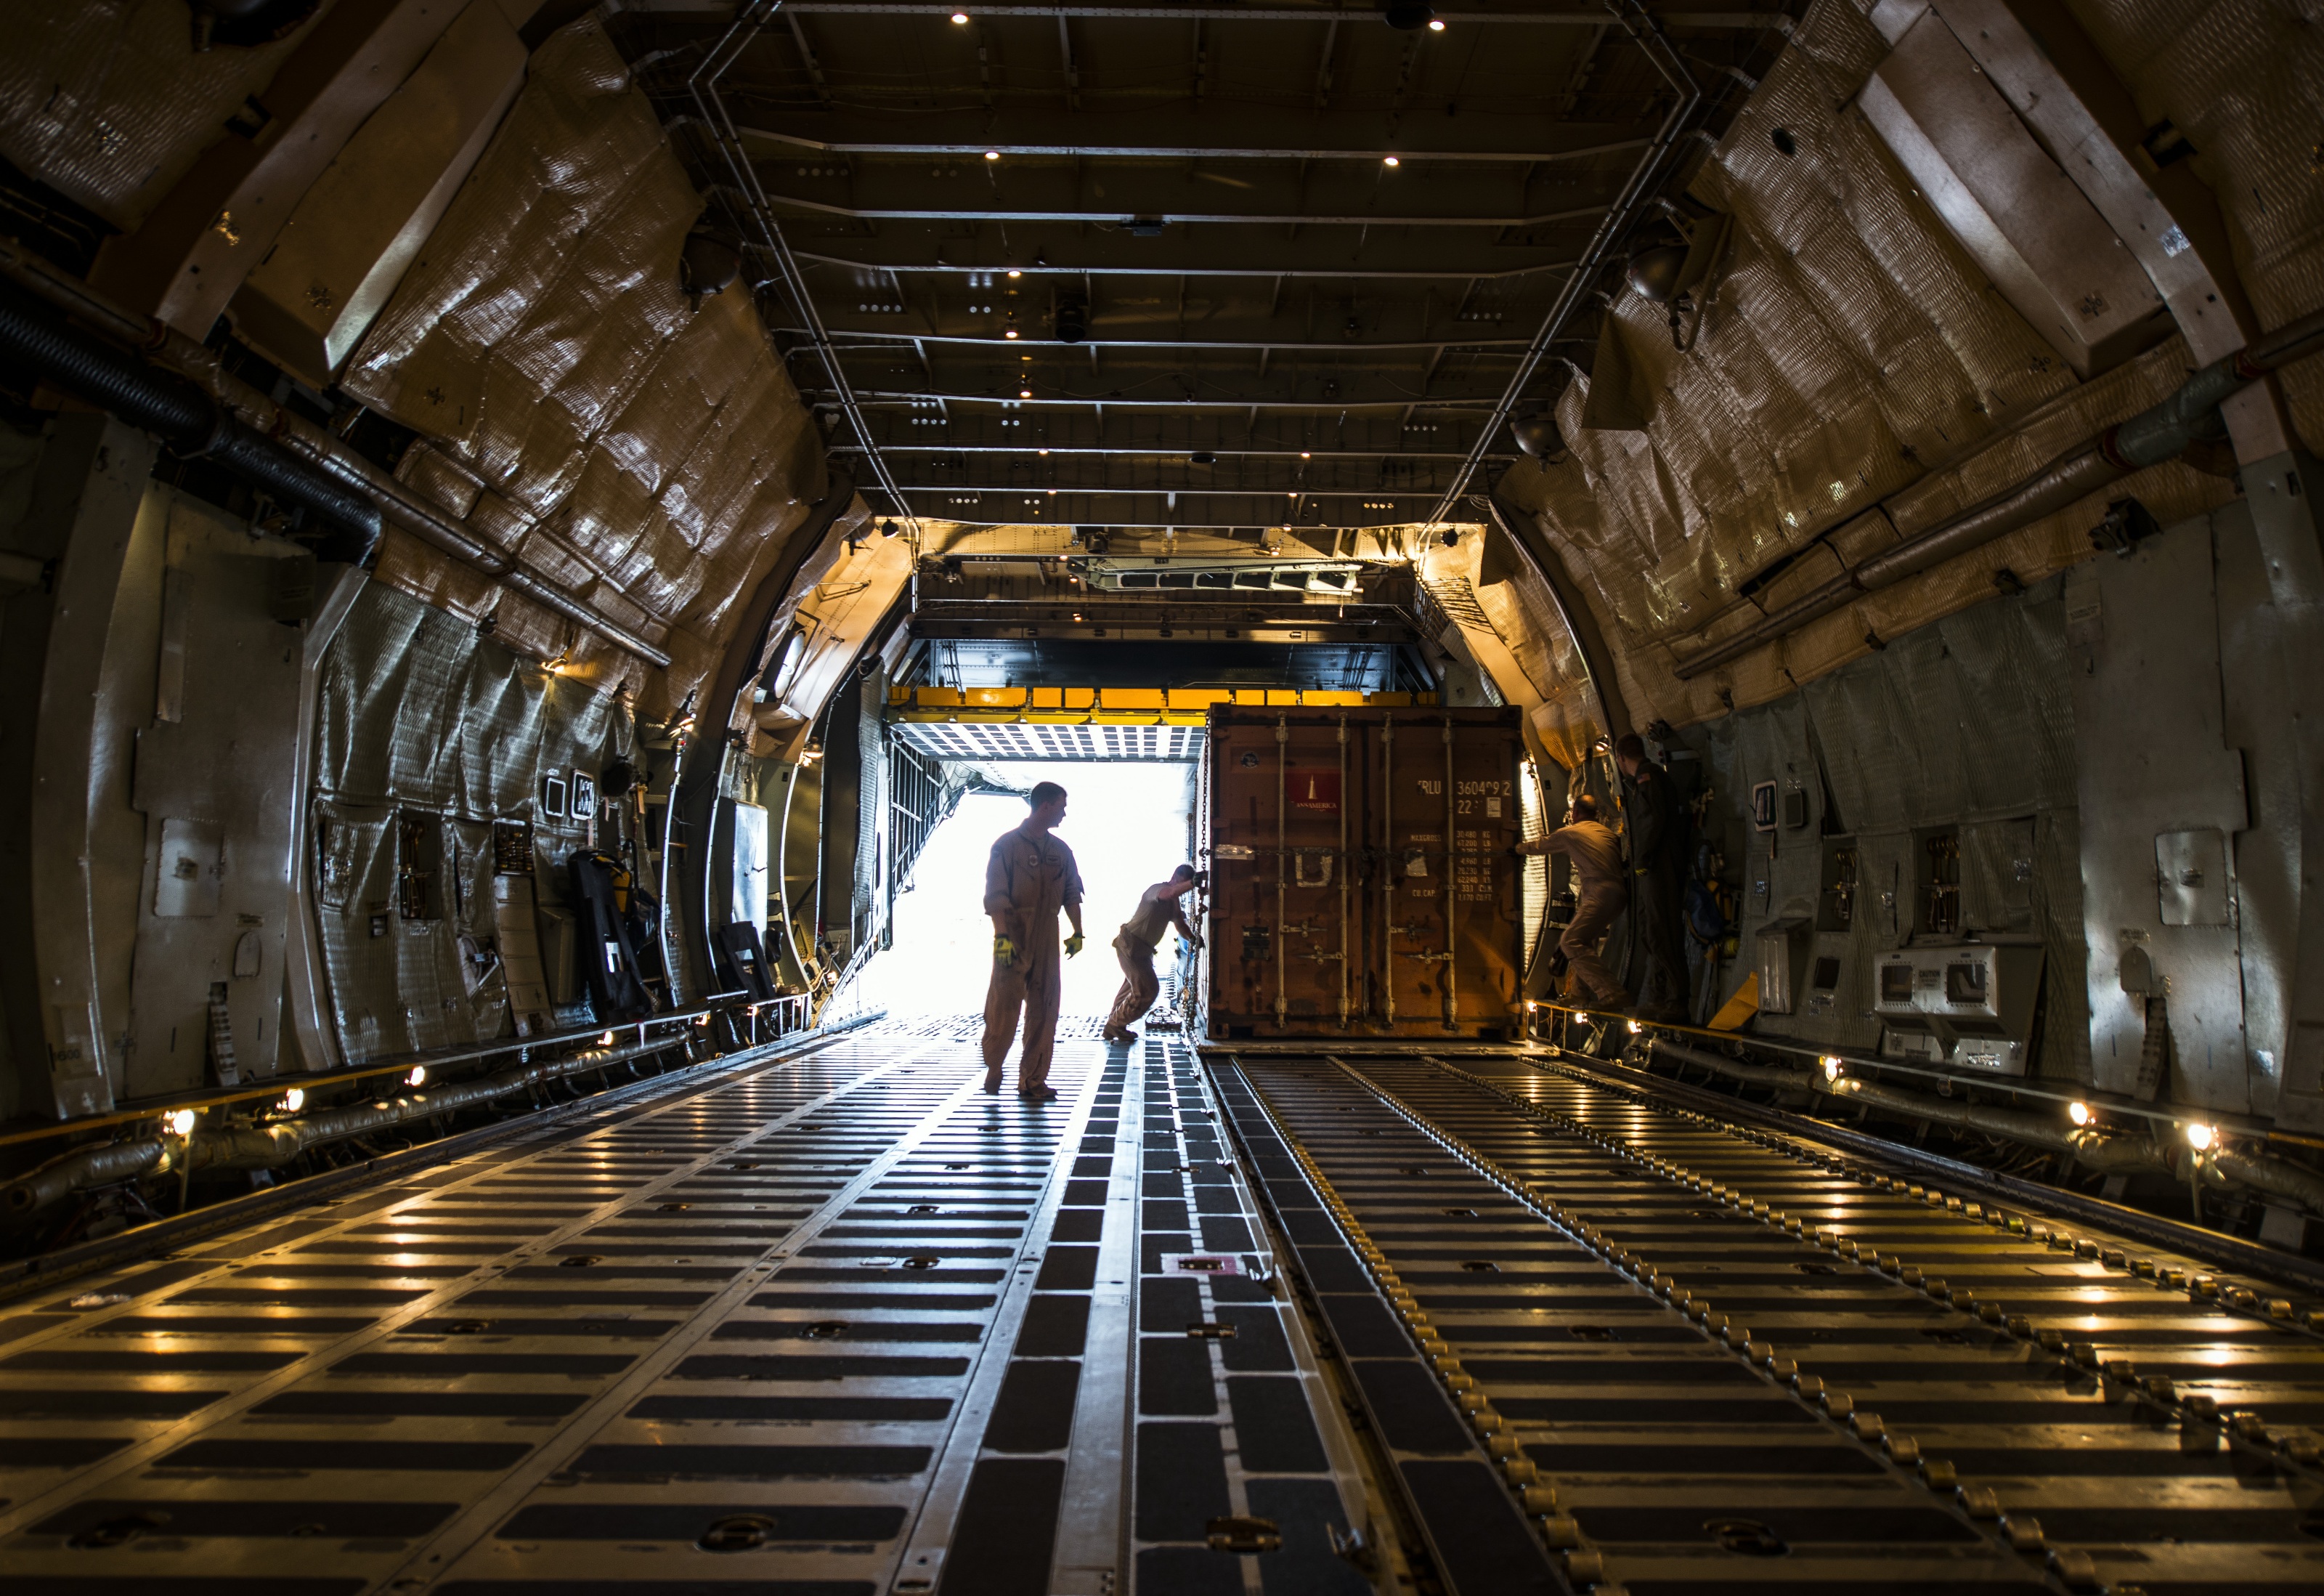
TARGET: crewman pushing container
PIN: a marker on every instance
(1030, 877)
(1599, 897)
(1141, 934)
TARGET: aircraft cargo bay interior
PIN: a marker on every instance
(1161, 798)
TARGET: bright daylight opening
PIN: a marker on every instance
(1128, 826)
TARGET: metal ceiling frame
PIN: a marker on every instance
(749, 21)
(1634, 21)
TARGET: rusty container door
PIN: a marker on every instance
(1364, 880)
(1444, 799)
(1283, 907)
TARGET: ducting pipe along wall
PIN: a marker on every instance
(2093, 1149)
(186, 419)
(271, 1145)
(2153, 435)
(283, 453)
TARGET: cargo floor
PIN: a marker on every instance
(839, 1323)
(836, 1323)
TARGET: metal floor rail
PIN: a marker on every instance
(1708, 1359)
(835, 1325)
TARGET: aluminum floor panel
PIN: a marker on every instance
(831, 1326)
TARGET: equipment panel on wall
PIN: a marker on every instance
(1364, 873)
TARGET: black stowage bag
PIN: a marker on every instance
(617, 935)
(746, 959)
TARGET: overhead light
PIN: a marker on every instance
(960, 17)
(1014, 273)
(181, 1123)
(1305, 456)
(1044, 451)
(418, 1077)
(1391, 160)
(1436, 25)
(1832, 1065)
(992, 154)
(2080, 1113)
(606, 1040)
(1010, 334)
(295, 1100)
(1024, 393)
(1635, 1028)
(2201, 1137)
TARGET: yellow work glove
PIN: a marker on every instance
(1075, 944)
(1004, 951)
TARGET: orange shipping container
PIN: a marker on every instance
(1363, 872)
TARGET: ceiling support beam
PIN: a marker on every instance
(1634, 19)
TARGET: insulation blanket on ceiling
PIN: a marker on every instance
(427, 736)
(644, 454)
(107, 103)
(1849, 350)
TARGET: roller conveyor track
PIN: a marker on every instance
(1728, 1359)
(835, 1323)
(827, 1324)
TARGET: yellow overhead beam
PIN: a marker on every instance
(1183, 706)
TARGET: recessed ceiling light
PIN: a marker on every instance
(1010, 334)
(1392, 160)
(960, 17)
(992, 154)
(1013, 271)
(1024, 393)
(1436, 25)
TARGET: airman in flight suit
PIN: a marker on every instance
(1141, 934)
(1030, 877)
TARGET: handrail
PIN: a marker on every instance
(401, 1064)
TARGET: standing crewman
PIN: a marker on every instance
(1657, 881)
(1141, 934)
(1030, 877)
(1599, 897)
